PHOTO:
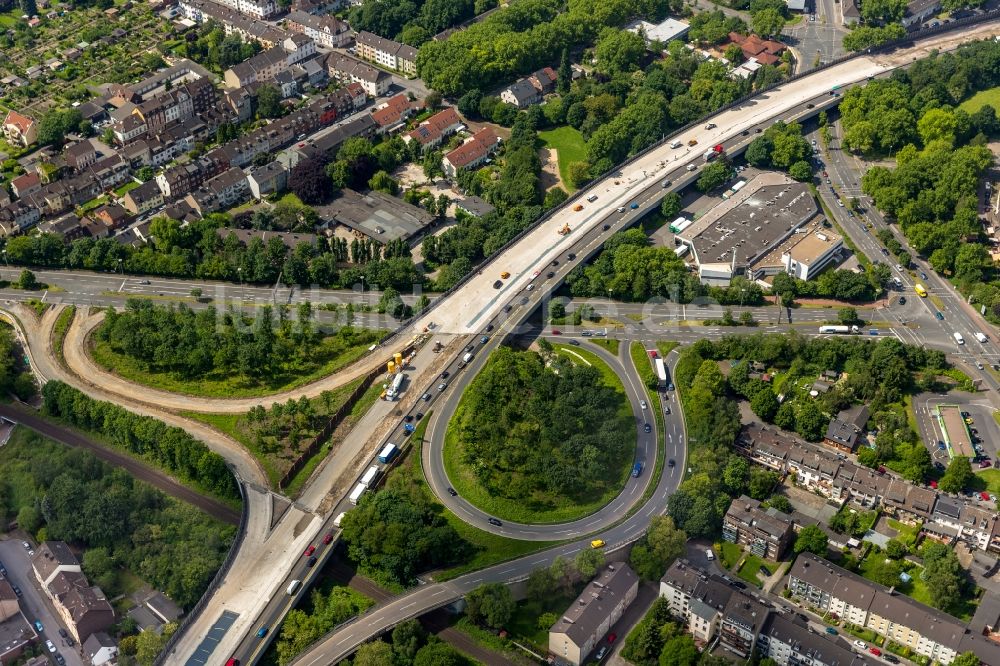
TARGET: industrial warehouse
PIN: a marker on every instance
(764, 226)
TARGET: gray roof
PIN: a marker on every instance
(523, 91)
(375, 214)
(594, 604)
(803, 641)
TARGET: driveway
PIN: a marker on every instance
(34, 604)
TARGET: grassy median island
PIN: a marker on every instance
(222, 354)
(541, 440)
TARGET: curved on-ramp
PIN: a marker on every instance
(610, 513)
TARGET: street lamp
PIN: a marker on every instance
(239, 271)
(362, 290)
(121, 266)
(5, 259)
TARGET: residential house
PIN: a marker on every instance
(19, 130)
(346, 69)
(588, 619)
(228, 188)
(16, 634)
(100, 649)
(268, 179)
(68, 226)
(764, 51)
(129, 128)
(18, 216)
(25, 184)
(790, 644)
(431, 132)
(80, 155)
(325, 29)
(765, 533)
(83, 609)
(472, 153)
(144, 198)
(266, 64)
(176, 181)
(113, 215)
(392, 114)
(51, 559)
(386, 52)
(521, 94)
(847, 428)
(742, 621)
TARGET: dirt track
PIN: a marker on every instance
(137, 469)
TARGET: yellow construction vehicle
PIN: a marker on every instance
(565, 230)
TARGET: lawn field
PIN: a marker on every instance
(569, 146)
(980, 99)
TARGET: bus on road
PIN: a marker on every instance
(919, 288)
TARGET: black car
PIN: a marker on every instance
(489, 327)
(524, 300)
(445, 374)
(671, 463)
(891, 658)
(408, 418)
(419, 415)
(555, 262)
(497, 284)
(508, 308)
(550, 274)
(311, 562)
(575, 343)
(494, 521)
(758, 131)
(571, 256)
(17, 590)
(647, 428)
(606, 227)
(745, 132)
(739, 585)
(902, 300)
(452, 492)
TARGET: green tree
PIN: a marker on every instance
(490, 604)
(800, 171)
(810, 421)
(847, 316)
(565, 74)
(812, 539)
(714, 175)
(376, 653)
(407, 639)
(768, 23)
(764, 404)
(588, 562)
(268, 101)
(578, 173)
(619, 50)
(541, 584)
(671, 206)
(27, 280)
(383, 182)
(895, 549)
(957, 477)
(734, 54)
(679, 651)
(883, 11)
(884, 571)
(145, 174)
(661, 545)
(966, 659)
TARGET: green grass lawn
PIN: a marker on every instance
(729, 554)
(751, 566)
(981, 99)
(557, 509)
(610, 345)
(328, 359)
(523, 624)
(917, 590)
(991, 478)
(907, 533)
(569, 146)
(490, 548)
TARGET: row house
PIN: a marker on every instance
(19, 129)
(471, 154)
(257, 9)
(386, 52)
(270, 178)
(129, 129)
(363, 126)
(393, 113)
(17, 216)
(137, 154)
(346, 69)
(325, 30)
(178, 180)
(431, 132)
(957, 520)
(602, 603)
(265, 65)
(318, 6)
(143, 199)
(925, 630)
(25, 184)
(169, 107)
(251, 30)
(80, 155)
(790, 644)
(110, 171)
(84, 609)
(68, 226)
(227, 189)
(765, 533)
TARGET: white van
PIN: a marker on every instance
(676, 143)
(293, 587)
(691, 167)
(981, 337)
(339, 519)
(958, 338)
(709, 554)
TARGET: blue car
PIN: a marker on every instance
(262, 632)
(939, 316)
(39, 627)
(831, 631)
(634, 206)
(409, 428)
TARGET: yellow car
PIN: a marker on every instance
(505, 275)
(969, 421)
(597, 543)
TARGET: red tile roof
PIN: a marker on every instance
(394, 110)
(434, 127)
(481, 143)
(23, 123)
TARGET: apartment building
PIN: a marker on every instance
(19, 130)
(791, 644)
(325, 30)
(430, 133)
(346, 69)
(142, 199)
(83, 609)
(232, 21)
(387, 53)
(588, 619)
(472, 153)
(392, 114)
(80, 155)
(265, 65)
(847, 428)
(764, 532)
(925, 630)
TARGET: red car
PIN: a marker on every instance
(328, 538)
(310, 550)
(985, 464)
(933, 484)
(985, 496)
(875, 651)
(612, 637)
(556, 331)
(652, 353)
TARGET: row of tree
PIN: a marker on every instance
(15, 376)
(167, 447)
(68, 494)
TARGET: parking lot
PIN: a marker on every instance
(34, 604)
(983, 434)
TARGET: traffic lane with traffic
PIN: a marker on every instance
(437, 477)
(339, 644)
(34, 604)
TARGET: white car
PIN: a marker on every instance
(50, 646)
(861, 645)
(642, 403)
